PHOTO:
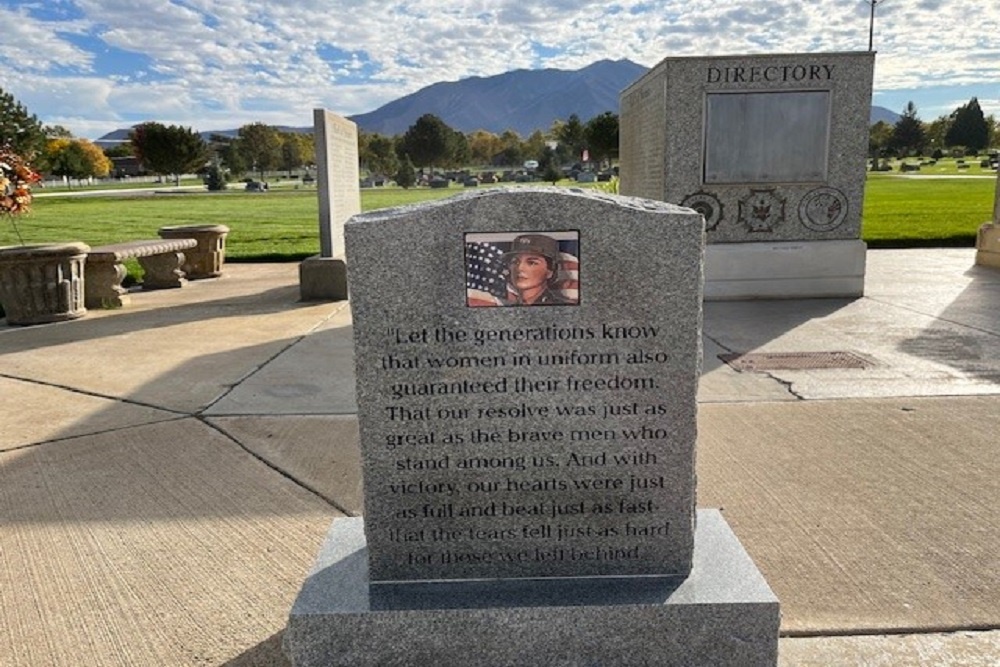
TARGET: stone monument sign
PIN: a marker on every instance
(770, 149)
(338, 184)
(527, 366)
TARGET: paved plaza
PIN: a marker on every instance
(169, 470)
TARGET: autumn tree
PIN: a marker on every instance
(74, 159)
(483, 146)
(534, 146)
(168, 150)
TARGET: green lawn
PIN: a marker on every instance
(282, 223)
(907, 212)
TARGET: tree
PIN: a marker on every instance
(227, 150)
(548, 166)
(98, 164)
(969, 128)
(167, 150)
(483, 146)
(406, 176)
(66, 159)
(879, 137)
(426, 142)
(458, 150)
(511, 149)
(379, 154)
(572, 135)
(908, 133)
(296, 148)
(534, 146)
(259, 146)
(601, 135)
(124, 149)
(935, 133)
(19, 130)
(75, 158)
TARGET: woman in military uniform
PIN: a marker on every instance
(532, 264)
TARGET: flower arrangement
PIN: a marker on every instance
(16, 178)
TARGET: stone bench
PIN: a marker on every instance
(207, 259)
(160, 259)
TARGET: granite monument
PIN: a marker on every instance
(527, 366)
(771, 150)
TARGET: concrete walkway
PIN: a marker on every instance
(169, 470)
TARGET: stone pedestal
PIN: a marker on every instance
(988, 245)
(206, 260)
(43, 283)
(790, 270)
(322, 279)
(723, 613)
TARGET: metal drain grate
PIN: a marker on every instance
(795, 361)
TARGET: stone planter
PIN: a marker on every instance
(206, 260)
(42, 283)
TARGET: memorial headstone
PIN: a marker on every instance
(771, 150)
(324, 276)
(988, 237)
(527, 368)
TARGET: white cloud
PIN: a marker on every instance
(221, 63)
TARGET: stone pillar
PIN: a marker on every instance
(324, 276)
(988, 238)
(206, 260)
(43, 283)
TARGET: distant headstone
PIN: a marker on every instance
(771, 150)
(324, 276)
(526, 385)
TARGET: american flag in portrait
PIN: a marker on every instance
(486, 275)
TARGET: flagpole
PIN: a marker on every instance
(871, 24)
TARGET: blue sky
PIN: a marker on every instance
(97, 65)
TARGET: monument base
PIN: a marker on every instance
(322, 279)
(988, 245)
(785, 270)
(723, 613)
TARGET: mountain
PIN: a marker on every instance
(883, 114)
(522, 100)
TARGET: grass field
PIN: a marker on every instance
(281, 225)
(925, 211)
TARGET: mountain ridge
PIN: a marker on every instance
(520, 100)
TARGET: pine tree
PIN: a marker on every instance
(968, 128)
(908, 137)
(18, 129)
(406, 176)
